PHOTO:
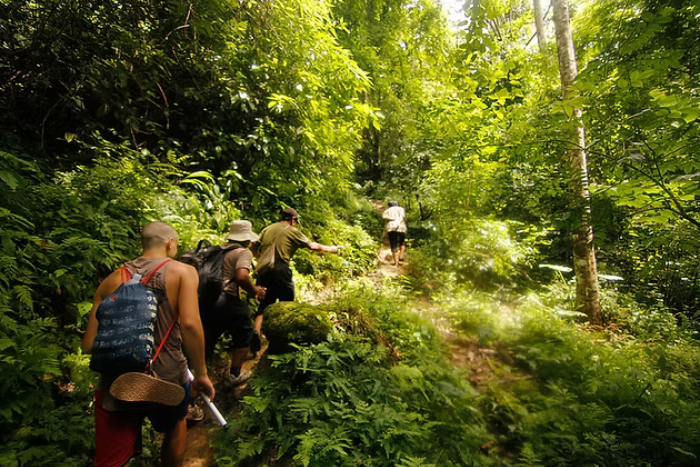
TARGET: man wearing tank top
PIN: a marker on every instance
(118, 433)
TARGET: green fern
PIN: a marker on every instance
(23, 294)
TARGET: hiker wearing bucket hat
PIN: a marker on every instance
(278, 243)
(174, 286)
(230, 313)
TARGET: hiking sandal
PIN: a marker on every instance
(231, 380)
(195, 413)
(140, 387)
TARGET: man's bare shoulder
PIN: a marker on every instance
(109, 284)
(182, 270)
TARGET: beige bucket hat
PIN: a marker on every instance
(242, 231)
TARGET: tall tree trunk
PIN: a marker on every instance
(539, 25)
(587, 289)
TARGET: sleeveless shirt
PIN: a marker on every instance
(171, 364)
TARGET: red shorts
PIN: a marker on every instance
(118, 434)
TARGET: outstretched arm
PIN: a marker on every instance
(318, 247)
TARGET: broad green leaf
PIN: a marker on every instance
(9, 178)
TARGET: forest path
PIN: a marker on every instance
(482, 364)
(467, 354)
(386, 266)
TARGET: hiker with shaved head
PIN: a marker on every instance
(277, 244)
(161, 390)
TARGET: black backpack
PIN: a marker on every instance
(209, 262)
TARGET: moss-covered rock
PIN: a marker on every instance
(298, 323)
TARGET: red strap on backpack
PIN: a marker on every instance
(148, 277)
(165, 338)
(126, 274)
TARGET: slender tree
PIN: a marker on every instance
(587, 289)
(539, 25)
(474, 9)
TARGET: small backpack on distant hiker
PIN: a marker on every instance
(209, 262)
(126, 321)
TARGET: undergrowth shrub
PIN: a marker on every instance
(345, 401)
(594, 398)
(357, 256)
(363, 212)
(480, 252)
(650, 322)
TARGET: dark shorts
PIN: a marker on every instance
(396, 240)
(118, 434)
(228, 314)
(279, 284)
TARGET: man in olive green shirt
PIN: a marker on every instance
(276, 275)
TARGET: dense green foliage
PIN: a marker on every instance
(106, 109)
(345, 402)
(610, 398)
(198, 113)
(558, 394)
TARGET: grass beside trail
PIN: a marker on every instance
(554, 393)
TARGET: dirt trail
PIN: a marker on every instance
(386, 267)
(467, 354)
(198, 453)
(483, 365)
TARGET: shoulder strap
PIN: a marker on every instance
(204, 243)
(144, 282)
(162, 342)
(126, 274)
(148, 276)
